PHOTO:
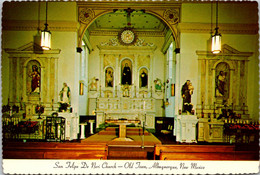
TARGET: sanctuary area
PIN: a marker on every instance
(115, 79)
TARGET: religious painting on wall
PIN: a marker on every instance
(222, 80)
(143, 82)
(109, 77)
(126, 68)
(33, 80)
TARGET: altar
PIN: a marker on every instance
(122, 128)
(142, 109)
(185, 128)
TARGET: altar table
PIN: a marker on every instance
(122, 128)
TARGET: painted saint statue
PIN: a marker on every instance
(186, 92)
(65, 94)
(109, 77)
(144, 79)
(126, 75)
(220, 84)
(36, 77)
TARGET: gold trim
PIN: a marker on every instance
(223, 28)
(33, 25)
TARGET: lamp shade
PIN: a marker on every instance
(216, 43)
(46, 40)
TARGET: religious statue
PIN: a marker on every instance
(64, 97)
(158, 84)
(93, 84)
(109, 77)
(126, 89)
(127, 75)
(36, 77)
(144, 79)
(220, 83)
(186, 92)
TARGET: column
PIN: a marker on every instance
(24, 84)
(56, 95)
(178, 99)
(101, 81)
(82, 127)
(17, 79)
(48, 72)
(91, 126)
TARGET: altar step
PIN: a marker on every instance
(130, 153)
(129, 131)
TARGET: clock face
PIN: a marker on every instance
(127, 37)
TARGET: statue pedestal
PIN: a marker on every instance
(185, 128)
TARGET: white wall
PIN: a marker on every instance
(66, 41)
(240, 13)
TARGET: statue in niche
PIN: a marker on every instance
(64, 97)
(109, 77)
(186, 92)
(35, 79)
(143, 78)
(220, 83)
(126, 75)
(221, 80)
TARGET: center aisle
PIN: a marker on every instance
(141, 148)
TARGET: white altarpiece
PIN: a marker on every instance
(142, 109)
(210, 101)
(129, 101)
(21, 63)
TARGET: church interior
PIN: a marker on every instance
(149, 80)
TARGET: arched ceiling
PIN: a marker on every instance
(139, 20)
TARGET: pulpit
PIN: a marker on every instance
(122, 128)
(185, 128)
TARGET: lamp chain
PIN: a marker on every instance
(46, 24)
(46, 11)
(217, 14)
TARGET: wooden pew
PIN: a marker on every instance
(33, 150)
(234, 155)
(197, 155)
(190, 148)
(202, 152)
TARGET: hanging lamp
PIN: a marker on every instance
(46, 34)
(216, 38)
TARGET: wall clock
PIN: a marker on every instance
(127, 36)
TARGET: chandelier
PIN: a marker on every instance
(216, 38)
(46, 34)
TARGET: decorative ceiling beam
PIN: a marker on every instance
(251, 29)
(33, 25)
